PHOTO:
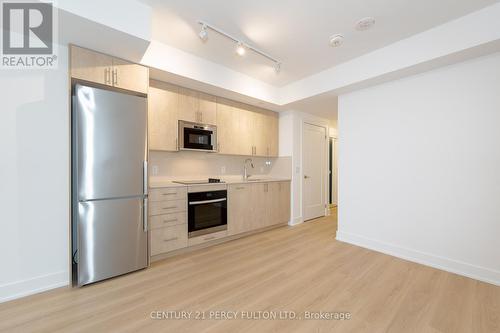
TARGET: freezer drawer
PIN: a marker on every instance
(111, 239)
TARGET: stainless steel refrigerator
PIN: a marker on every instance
(109, 184)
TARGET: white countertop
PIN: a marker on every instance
(160, 183)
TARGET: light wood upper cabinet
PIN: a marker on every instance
(243, 138)
(234, 128)
(163, 105)
(126, 75)
(207, 109)
(91, 66)
(241, 129)
(188, 105)
(265, 133)
(197, 107)
(273, 131)
(103, 69)
(227, 126)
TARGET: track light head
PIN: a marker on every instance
(277, 67)
(240, 49)
(203, 33)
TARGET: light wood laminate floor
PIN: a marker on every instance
(299, 269)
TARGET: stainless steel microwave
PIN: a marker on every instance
(201, 137)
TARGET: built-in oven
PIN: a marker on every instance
(207, 212)
(193, 136)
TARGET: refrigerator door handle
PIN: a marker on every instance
(145, 181)
(145, 214)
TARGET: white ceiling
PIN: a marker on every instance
(296, 31)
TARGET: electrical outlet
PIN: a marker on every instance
(223, 170)
(155, 170)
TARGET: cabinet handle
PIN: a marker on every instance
(106, 75)
(170, 239)
(115, 77)
(168, 193)
(168, 221)
(170, 207)
(201, 117)
(240, 188)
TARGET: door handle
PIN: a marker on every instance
(306, 177)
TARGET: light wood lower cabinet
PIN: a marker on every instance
(207, 238)
(251, 206)
(168, 239)
(167, 194)
(258, 205)
(168, 219)
(240, 208)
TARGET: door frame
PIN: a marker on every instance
(325, 127)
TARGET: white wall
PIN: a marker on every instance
(34, 179)
(419, 168)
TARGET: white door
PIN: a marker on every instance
(314, 170)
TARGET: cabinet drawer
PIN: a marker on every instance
(207, 238)
(168, 239)
(168, 220)
(167, 193)
(167, 207)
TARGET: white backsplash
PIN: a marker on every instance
(200, 165)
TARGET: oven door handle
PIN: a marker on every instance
(206, 201)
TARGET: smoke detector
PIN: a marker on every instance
(365, 23)
(336, 40)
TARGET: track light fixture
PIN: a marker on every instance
(277, 68)
(241, 47)
(203, 33)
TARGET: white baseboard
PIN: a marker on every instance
(445, 264)
(32, 286)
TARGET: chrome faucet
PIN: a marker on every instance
(245, 172)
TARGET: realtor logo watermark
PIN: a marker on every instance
(28, 35)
